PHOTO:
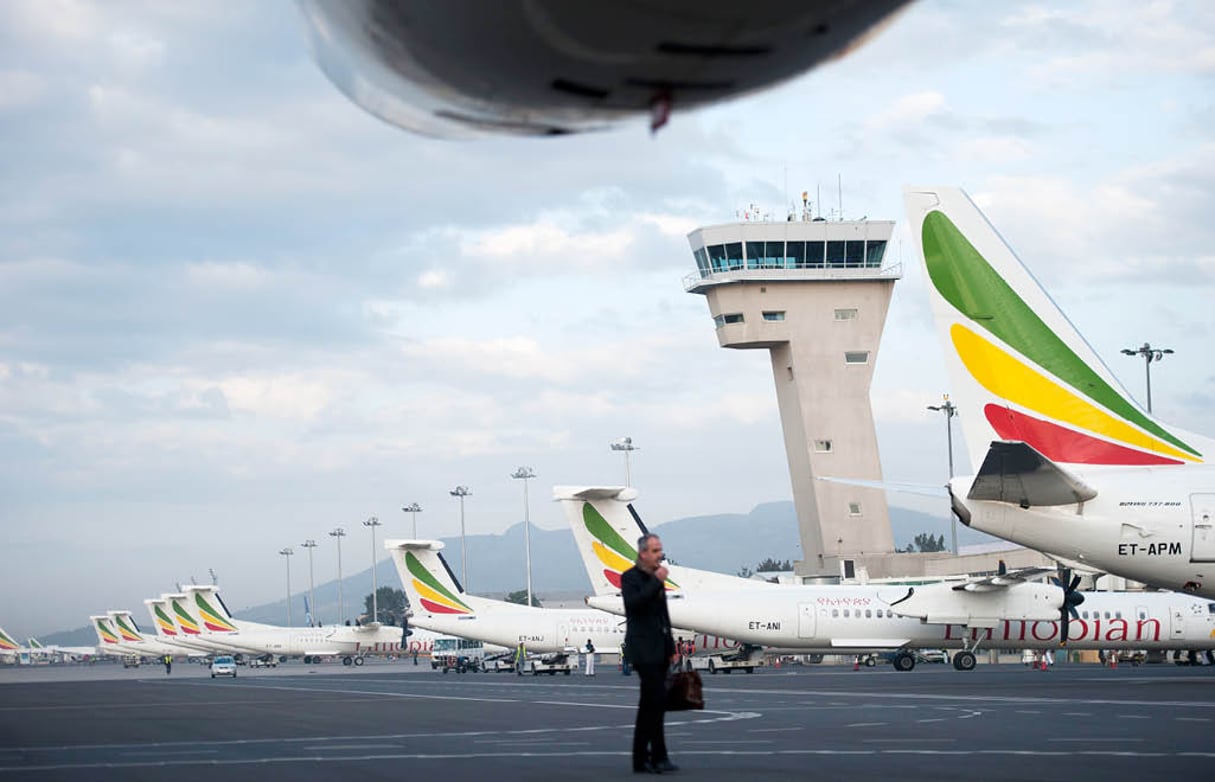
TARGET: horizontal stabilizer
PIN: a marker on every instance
(622, 493)
(1015, 473)
(922, 489)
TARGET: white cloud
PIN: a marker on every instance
(226, 276)
(20, 89)
(992, 150)
(910, 110)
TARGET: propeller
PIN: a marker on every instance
(1071, 599)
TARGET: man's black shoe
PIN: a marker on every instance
(646, 768)
(666, 766)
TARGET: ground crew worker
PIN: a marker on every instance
(590, 658)
(168, 664)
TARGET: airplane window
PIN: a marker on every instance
(835, 612)
(868, 613)
(1117, 614)
(1143, 614)
(1211, 608)
(1084, 614)
(1107, 614)
(845, 613)
(879, 613)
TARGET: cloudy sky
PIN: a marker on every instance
(236, 311)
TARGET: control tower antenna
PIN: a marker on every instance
(839, 180)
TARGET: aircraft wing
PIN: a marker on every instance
(1015, 473)
(1004, 580)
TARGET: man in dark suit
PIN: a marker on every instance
(650, 649)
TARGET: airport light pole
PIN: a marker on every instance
(524, 474)
(310, 544)
(287, 552)
(625, 444)
(461, 492)
(339, 533)
(372, 523)
(950, 410)
(413, 509)
(1149, 354)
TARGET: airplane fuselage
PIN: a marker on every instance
(846, 620)
(1150, 524)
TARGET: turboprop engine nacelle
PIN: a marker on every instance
(965, 605)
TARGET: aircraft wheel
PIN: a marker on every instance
(903, 661)
(750, 670)
(347, 661)
(282, 659)
(712, 668)
(964, 661)
(870, 662)
(212, 676)
(358, 661)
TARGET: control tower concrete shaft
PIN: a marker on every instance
(814, 293)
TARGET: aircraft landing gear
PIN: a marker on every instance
(347, 660)
(903, 661)
(358, 660)
(964, 661)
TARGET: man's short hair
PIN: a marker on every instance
(643, 542)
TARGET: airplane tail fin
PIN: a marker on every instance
(124, 623)
(429, 583)
(209, 608)
(158, 610)
(7, 644)
(34, 643)
(606, 529)
(186, 623)
(106, 635)
(1019, 370)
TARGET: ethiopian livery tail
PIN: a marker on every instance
(1019, 370)
(607, 528)
(1066, 463)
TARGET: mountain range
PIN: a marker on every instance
(725, 542)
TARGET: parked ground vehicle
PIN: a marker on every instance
(263, 662)
(552, 664)
(503, 662)
(224, 665)
(447, 652)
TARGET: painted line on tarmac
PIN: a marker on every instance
(439, 756)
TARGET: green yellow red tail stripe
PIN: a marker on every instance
(612, 550)
(434, 597)
(6, 643)
(213, 620)
(1080, 417)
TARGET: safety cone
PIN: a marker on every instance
(856, 663)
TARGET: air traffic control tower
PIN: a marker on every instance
(814, 294)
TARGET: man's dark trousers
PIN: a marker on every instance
(649, 744)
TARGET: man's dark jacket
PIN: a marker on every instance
(647, 638)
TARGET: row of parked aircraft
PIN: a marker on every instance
(196, 623)
(1069, 465)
